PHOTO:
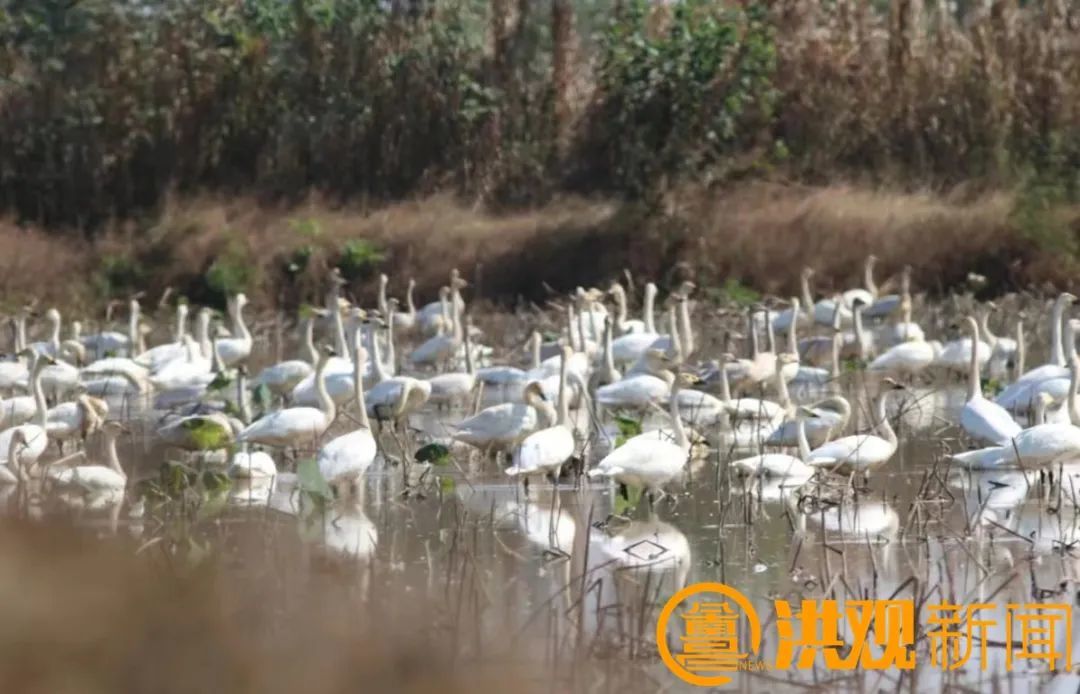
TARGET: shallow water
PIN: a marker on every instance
(573, 573)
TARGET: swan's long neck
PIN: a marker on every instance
(620, 304)
(54, 333)
(336, 322)
(676, 417)
(804, 286)
(202, 330)
(754, 349)
(860, 336)
(583, 345)
(974, 377)
(781, 388)
(984, 326)
(686, 329)
(309, 341)
(650, 300)
(868, 279)
(383, 307)
(536, 340)
(1070, 340)
(564, 397)
(391, 348)
(376, 359)
(804, 445)
(770, 334)
(725, 384)
(834, 364)
(676, 338)
(133, 327)
(469, 368)
(358, 382)
(1057, 350)
(1021, 350)
(456, 304)
(40, 407)
(326, 403)
(181, 323)
(111, 457)
(240, 325)
(1072, 402)
(20, 332)
(409, 298)
(884, 428)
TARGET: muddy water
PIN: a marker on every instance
(570, 573)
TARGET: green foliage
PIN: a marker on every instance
(359, 258)
(207, 434)
(231, 272)
(311, 480)
(433, 453)
(735, 292)
(119, 275)
(680, 98)
(625, 504)
(628, 428)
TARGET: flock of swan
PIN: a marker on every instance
(554, 405)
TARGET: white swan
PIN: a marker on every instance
(157, 357)
(982, 419)
(76, 419)
(94, 479)
(405, 321)
(776, 465)
(454, 387)
(1042, 444)
(442, 347)
(860, 452)
(511, 375)
(547, 450)
(282, 377)
(295, 426)
(1020, 394)
(501, 427)
(645, 460)
(344, 460)
(630, 347)
(394, 398)
(237, 348)
(35, 437)
(642, 390)
(623, 325)
(13, 471)
(830, 416)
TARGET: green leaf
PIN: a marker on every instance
(311, 479)
(220, 382)
(628, 427)
(433, 453)
(447, 484)
(624, 506)
(261, 397)
(207, 434)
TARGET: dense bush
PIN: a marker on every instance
(108, 105)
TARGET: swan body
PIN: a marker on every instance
(860, 452)
(252, 465)
(775, 465)
(95, 479)
(282, 377)
(982, 419)
(503, 426)
(905, 359)
(634, 392)
(397, 397)
(236, 349)
(830, 416)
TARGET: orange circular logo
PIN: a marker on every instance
(711, 645)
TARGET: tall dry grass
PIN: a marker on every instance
(759, 234)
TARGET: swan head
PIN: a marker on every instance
(53, 316)
(383, 280)
(804, 412)
(534, 390)
(241, 301)
(795, 304)
(785, 358)
(892, 384)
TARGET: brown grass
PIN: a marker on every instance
(760, 234)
